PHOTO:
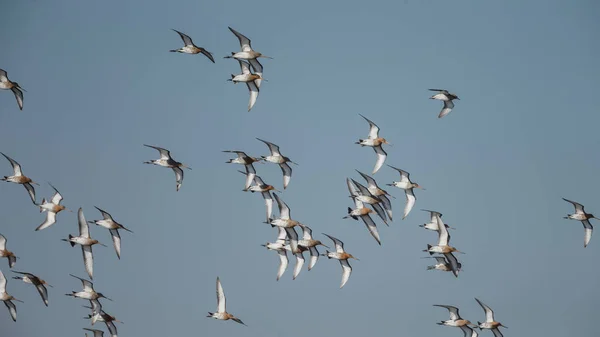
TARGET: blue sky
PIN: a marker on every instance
(100, 83)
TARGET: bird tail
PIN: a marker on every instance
(173, 50)
(71, 242)
(428, 248)
(43, 202)
(430, 267)
(4, 179)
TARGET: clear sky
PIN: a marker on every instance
(100, 83)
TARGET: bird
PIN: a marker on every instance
(433, 224)
(167, 161)
(490, 323)
(88, 292)
(363, 212)
(279, 247)
(12, 259)
(85, 240)
(361, 193)
(7, 299)
(380, 193)
(447, 98)
(584, 217)
(39, 284)
(442, 264)
(340, 255)
(109, 223)
(247, 52)
(109, 320)
(251, 80)
(277, 158)
(6, 84)
(286, 222)
(97, 333)
(52, 208)
(443, 248)
(222, 313)
(375, 142)
(190, 48)
(19, 178)
(408, 187)
(311, 245)
(244, 159)
(264, 189)
(455, 319)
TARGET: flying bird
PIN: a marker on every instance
(7, 299)
(286, 222)
(52, 208)
(447, 98)
(12, 259)
(432, 225)
(265, 190)
(252, 82)
(584, 217)
(340, 255)
(375, 142)
(380, 193)
(310, 244)
(6, 84)
(109, 223)
(489, 323)
(167, 161)
(39, 284)
(247, 52)
(277, 158)
(363, 212)
(455, 319)
(442, 264)
(361, 193)
(222, 313)
(19, 178)
(85, 240)
(443, 248)
(246, 160)
(190, 48)
(408, 187)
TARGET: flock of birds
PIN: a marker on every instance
(287, 238)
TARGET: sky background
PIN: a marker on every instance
(100, 83)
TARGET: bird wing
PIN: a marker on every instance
(452, 310)
(339, 245)
(18, 95)
(373, 128)
(178, 176)
(258, 70)
(112, 329)
(245, 42)
(50, 220)
(387, 205)
(410, 201)
(43, 292)
(253, 89)
(164, 153)
(84, 229)
(371, 227)
(2, 242)
(443, 235)
(433, 215)
(250, 175)
(2, 283)
(287, 174)
(489, 314)
(346, 271)
(497, 333)
(16, 167)
(3, 75)
(12, 309)
(587, 228)
(221, 308)
(468, 331)
(314, 257)
(186, 39)
(293, 236)
(31, 191)
(306, 233)
(448, 105)
(370, 181)
(381, 155)
(88, 260)
(57, 196)
(207, 54)
(282, 234)
(245, 67)
(105, 214)
(299, 264)
(283, 262)
(453, 263)
(578, 206)
(284, 210)
(269, 203)
(116, 241)
(352, 187)
(362, 190)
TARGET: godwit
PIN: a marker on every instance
(109, 223)
(447, 98)
(222, 313)
(252, 82)
(167, 161)
(436, 217)
(311, 244)
(5, 83)
(85, 240)
(408, 187)
(279, 247)
(88, 293)
(361, 193)
(97, 333)
(340, 255)
(107, 319)
(37, 282)
(264, 189)
(19, 178)
(53, 207)
(244, 159)
(581, 215)
(363, 212)
(490, 323)
(378, 192)
(7, 299)
(375, 142)
(442, 264)
(286, 222)
(277, 158)
(455, 319)
(12, 259)
(443, 248)
(247, 52)
(190, 48)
